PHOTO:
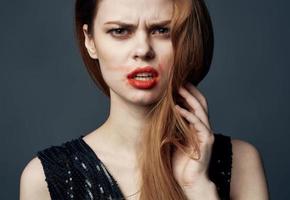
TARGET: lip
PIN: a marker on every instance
(143, 84)
(145, 69)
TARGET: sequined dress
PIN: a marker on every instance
(74, 171)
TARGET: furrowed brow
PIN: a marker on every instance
(123, 24)
(161, 23)
(128, 25)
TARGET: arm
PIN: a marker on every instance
(191, 174)
(32, 182)
(203, 189)
(248, 179)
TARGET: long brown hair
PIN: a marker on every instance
(192, 40)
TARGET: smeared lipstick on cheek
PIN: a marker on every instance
(161, 68)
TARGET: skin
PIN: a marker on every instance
(120, 52)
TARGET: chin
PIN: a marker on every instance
(145, 99)
(147, 103)
(138, 97)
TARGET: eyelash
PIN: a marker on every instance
(118, 30)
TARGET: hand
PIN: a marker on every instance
(192, 174)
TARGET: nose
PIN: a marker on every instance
(143, 49)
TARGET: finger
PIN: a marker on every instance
(193, 90)
(205, 136)
(195, 104)
(194, 120)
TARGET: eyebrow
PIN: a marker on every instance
(154, 24)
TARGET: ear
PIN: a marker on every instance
(89, 43)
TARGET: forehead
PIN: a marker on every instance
(134, 11)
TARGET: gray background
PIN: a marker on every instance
(47, 96)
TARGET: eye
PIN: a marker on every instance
(119, 32)
(161, 30)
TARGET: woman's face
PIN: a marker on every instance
(131, 34)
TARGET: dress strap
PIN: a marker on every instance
(221, 165)
(73, 172)
(55, 165)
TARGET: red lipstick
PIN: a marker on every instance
(143, 77)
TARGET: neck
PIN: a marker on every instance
(125, 125)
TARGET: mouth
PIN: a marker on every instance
(143, 78)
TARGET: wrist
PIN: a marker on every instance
(202, 188)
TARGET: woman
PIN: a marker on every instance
(148, 56)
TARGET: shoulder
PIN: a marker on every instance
(247, 170)
(40, 171)
(32, 182)
(244, 150)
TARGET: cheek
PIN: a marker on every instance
(166, 57)
(166, 64)
(109, 52)
(111, 63)
(109, 56)
(114, 73)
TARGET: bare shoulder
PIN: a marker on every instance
(243, 149)
(247, 171)
(32, 182)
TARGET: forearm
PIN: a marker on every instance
(203, 189)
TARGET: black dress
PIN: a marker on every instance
(73, 171)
